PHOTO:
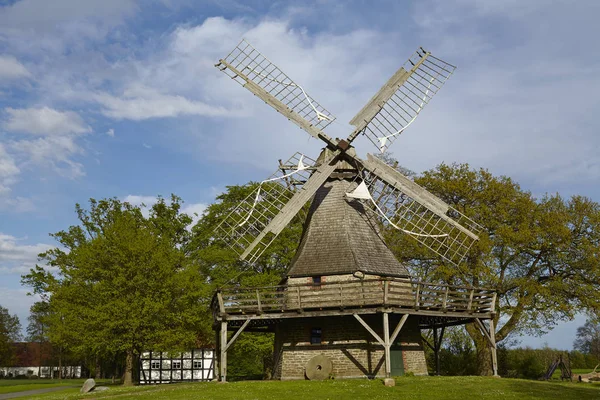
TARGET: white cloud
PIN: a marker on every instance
(111, 132)
(141, 102)
(8, 171)
(136, 200)
(194, 210)
(17, 302)
(44, 121)
(55, 152)
(11, 68)
(16, 257)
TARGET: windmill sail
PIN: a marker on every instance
(249, 218)
(416, 212)
(289, 211)
(256, 73)
(398, 103)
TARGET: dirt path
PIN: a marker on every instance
(33, 392)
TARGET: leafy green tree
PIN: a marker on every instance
(38, 326)
(587, 339)
(540, 255)
(124, 283)
(10, 332)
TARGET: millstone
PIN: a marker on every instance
(318, 368)
(88, 385)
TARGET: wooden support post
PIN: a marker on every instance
(221, 304)
(369, 329)
(299, 301)
(258, 302)
(417, 296)
(437, 345)
(223, 363)
(237, 333)
(386, 340)
(494, 350)
(386, 290)
(216, 358)
(445, 301)
(397, 330)
(470, 304)
(436, 351)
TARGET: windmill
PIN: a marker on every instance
(401, 203)
(341, 248)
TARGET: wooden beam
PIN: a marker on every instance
(386, 345)
(221, 304)
(368, 328)
(494, 351)
(291, 208)
(424, 339)
(223, 363)
(281, 108)
(372, 108)
(236, 334)
(397, 330)
(485, 333)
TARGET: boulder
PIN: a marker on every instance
(88, 385)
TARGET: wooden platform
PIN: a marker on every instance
(438, 304)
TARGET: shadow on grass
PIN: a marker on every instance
(550, 390)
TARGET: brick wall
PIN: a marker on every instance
(352, 349)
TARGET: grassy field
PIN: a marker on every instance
(21, 385)
(406, 388)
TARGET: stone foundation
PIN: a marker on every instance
(353, 351)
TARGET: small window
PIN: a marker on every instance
(176, 364)
(316, 280)
(155, 365)
(198, 364)
(315, 336)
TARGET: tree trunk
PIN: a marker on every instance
(484, 353)
(60, 363)
(128, 376)
(484, 359)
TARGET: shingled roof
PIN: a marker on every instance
(339, 238)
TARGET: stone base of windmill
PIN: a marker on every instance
(347, 344)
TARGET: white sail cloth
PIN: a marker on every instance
(362, 192)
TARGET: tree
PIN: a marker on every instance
(124, 283)
(10, 332)
(540, 255)
(587, 339)
(38, 326)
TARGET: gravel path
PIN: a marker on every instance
(33, 392)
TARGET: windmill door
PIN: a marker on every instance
(397, 362)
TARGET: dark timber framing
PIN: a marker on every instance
(437, 306)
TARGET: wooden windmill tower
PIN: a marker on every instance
(346, 307)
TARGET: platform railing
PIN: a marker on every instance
(386, 292)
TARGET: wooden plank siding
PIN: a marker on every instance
(367, 293)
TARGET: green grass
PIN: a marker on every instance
(21, 385)
(452, 388)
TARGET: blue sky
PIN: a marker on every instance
(103, 98)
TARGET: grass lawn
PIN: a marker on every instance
(458, 388)
(21, 385)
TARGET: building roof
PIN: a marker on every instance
(32, 354)
(340, 238)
